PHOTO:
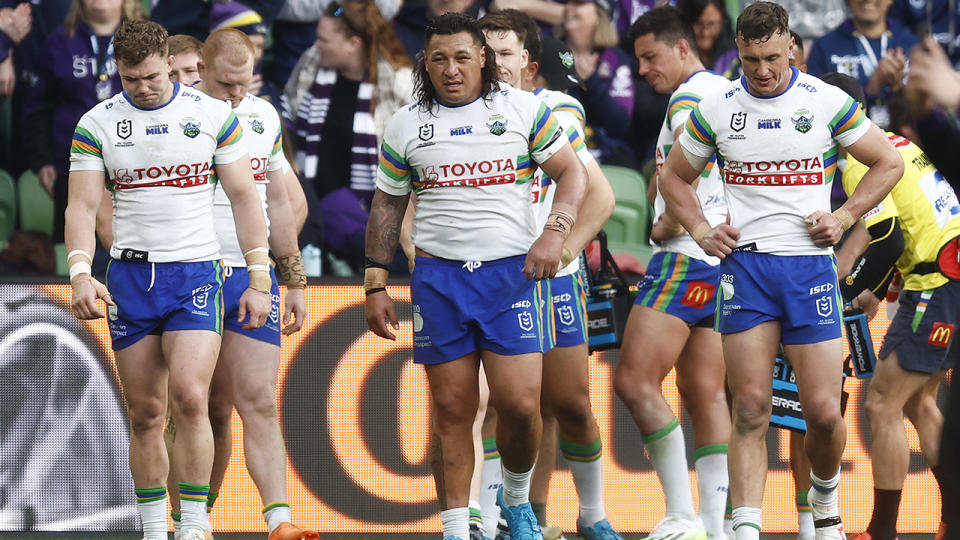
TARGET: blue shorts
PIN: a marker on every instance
(799, 291)
(681, 286)
(152, 298)
(922, 331)
(235, 281)
(461, 307)
(569, 310)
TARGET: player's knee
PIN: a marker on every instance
(879, 405)
(521, 406)
(262, 405)
(632, 387)
(822, 415)
(146, 417)
(451, 414)
(189, 403)
(574, 414)
(751, 413)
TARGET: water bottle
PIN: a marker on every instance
(312, 260)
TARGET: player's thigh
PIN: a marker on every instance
(143, 375)
(252, 367)
(700, 370)
(819, 373)
(652, 343)
(192, 357)
(749, 356)
(566, 377)
(454, 389)
(515, 380)
(894, 386)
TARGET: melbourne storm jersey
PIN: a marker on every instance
(159, 165)
(569, 113)
(778, 156)
(261, 133)
(472, 168)
(710, 186)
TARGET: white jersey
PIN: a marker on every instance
(472, 168)
(159, 165)
(569, 113)
(778, 155)
(261, 132)
(710, 186)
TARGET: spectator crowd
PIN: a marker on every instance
(336, 72)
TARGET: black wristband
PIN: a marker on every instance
(371, 263)
(368, 292)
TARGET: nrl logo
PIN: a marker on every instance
(426, 132)
(497, 124)
(566, 58)
(190, 126)
(124, 129)
(738, 121)
(802, 120)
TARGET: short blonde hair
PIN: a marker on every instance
(229, 44)
(184, 44)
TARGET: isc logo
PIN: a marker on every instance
(822, 288)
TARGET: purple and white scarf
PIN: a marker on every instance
(309, 122)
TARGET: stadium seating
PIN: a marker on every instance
(35, 205)
(628, 229)
(8, 206)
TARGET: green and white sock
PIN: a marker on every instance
(668, 454)
(152, 505)
(587, 470)
(710, 461)
(747, 522)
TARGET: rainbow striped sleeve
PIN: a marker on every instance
(576, 141)
(277, 144)
(545, 128)
(230, 133)
(680, 102)
(393, 165)
(850, 117)
(699, 130)
(572, 108)
(85, 144)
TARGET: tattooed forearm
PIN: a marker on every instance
(383, 228)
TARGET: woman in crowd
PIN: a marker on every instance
(336, 106)
(607, 93)
(714, 32)
(75, 71)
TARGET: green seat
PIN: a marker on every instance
(8, 206)
(36, 206)
(630, 190)
(60, 250)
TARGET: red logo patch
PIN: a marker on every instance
(698, 294)
(940, 335)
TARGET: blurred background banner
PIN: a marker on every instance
(355, 415)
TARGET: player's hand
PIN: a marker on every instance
(824, 228)
(381, 315)
(295, 307)
(86, 292)
(665, 229)
(257, 304)
(543, 259)
(868, 303)
(720, 240)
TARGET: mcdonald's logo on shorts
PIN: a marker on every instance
(940, 335)
(698, 294)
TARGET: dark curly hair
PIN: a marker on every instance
(448, 25)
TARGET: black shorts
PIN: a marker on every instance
(923, 330)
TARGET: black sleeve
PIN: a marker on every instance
(875, 268)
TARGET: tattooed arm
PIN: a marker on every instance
(383, 233)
